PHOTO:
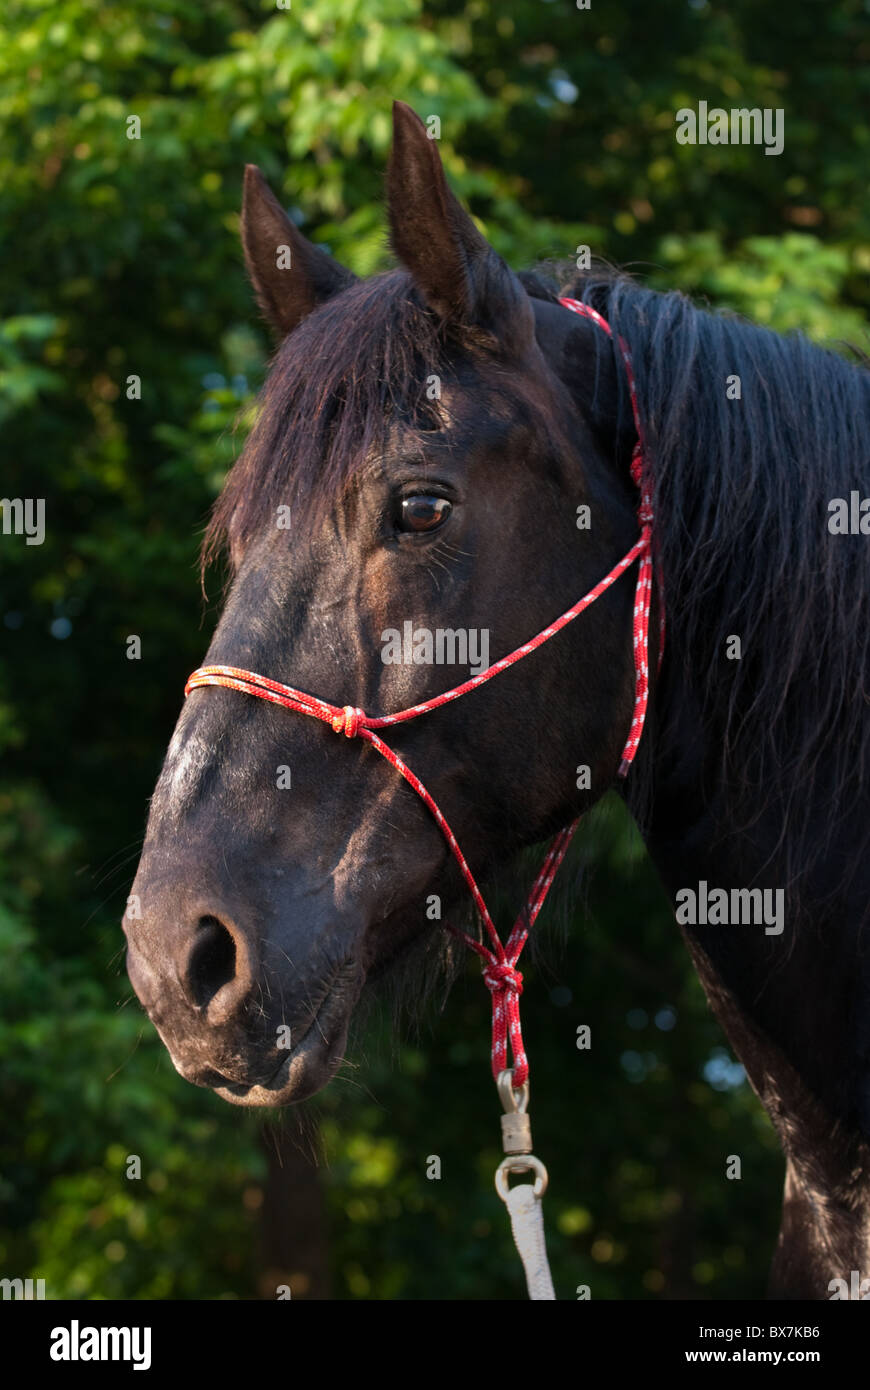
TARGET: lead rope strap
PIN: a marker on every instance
(505, 984)
(527, 1224)
(524, 1201)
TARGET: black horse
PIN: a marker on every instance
(433, 431)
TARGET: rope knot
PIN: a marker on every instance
(348, 721)
(644, 509)
(636, 466)
(500, 977)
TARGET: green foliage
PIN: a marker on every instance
(21, 380)
(788, 283)
(121, 260)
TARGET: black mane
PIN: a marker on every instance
(741, 505)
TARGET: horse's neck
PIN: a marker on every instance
(823, 1250)
(788, 1005)
(825, 1232)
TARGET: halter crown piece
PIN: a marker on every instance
(500, 972)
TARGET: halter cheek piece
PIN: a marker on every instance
(500, 972)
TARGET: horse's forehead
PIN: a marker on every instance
(470, 429)
(472, 392)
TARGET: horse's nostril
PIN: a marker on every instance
(212, 962)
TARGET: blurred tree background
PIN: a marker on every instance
(120, 258)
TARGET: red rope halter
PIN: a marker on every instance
(500, 972)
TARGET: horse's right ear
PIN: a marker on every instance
(290, 275)
(453, 266)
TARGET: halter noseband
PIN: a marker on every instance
(499, 970)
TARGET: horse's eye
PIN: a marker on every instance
(423, 513)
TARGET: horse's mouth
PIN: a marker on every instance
(313, 1061)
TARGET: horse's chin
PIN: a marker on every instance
(300, 1071)
(314, 1061)
(309, 1067)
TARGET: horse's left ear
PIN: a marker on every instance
(458, 273)
(290, 275)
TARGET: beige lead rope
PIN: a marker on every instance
(524, 1201)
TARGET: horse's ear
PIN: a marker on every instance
(456, 270)
(290, 275)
